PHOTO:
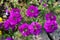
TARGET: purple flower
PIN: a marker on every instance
(24, 29)
(15, 16)
(7, 25)
(9, 38)
(15, 19)
(50, 26)
(32, 11)
(15, 11)
(35, 28)
(50, 16)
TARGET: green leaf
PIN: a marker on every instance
(15, 1)
(40, 7)
(18, 34)
(51, 1)
(27, 1)
(5, 35)
(27, 38)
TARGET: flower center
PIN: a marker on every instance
(14, 18)
(51, 17)
(52, 26)
(14, 10)
(32, 11)
(25, 29)
(35, 27)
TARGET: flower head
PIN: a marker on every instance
(32, 11)
(14, 11)
(50, 16)
(50, 26)
(35, 28)
(24, 29)
(15, 16)
(7, 25)
(9, 38)
(15, 19)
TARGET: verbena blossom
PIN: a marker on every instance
(15, 16)
(24, 30)
(50, 26)
(32, 11)
(50, 16)
(8, 26)
(9, 38)
(14, 11)
(15, 19)
(35, 28)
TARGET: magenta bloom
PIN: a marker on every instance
(15, 11)
(32, 11)
(9, 38)
(24, 29)
(15, 16)
(8, 26)
(15, 19)
(50, 26)
(50, 16)
(35, 28)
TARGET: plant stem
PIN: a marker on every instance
(49, 36)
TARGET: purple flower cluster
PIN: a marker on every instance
(34, 28)
(13, 19)
(51, 23)
(32, 11)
